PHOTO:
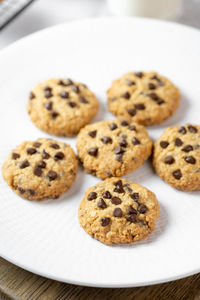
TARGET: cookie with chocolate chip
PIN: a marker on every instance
(176, 157)
(40, 170)
(117, 210)
(113, 148)
(61, 106)
(145, 97)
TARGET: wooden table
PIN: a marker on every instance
(16, 283)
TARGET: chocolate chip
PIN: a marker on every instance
(24, 164)
(169, 160)
(105, 222)
(117, 212)
(178, 142)
(139, 74)
(92, 133)
(54, 146)
(68, 83)
(123, 143)
(32, 95)
(135, 196)
(142, 208)
(190, 160)
(41, 164)
(119, 187)
(59, 156)
(177, 174)
(54, 115)
(45, 155)
(93, 151)
(107, 195)
(164, 144)
(106, 140)
(132, 218)
(187, 148)
(31, 151)
(126, 95)
(192, 129)
(153, 96)
(113, 126)
(160, 101)
(182, 130)
(15, 155)
(72, 104)
(132, 111)
(132, 210)
(132, 128)
(37, 144)
(116, 200)
(92, 196)
(124, 123)
(118, 150)
(76, 89)
(83, 100)
(21, 190)
(48, 93)
(47, 88)
(52, 175)
(49, 105)
(140, 106)
(152, 86)
(31, 192)
(135, 141)
(155, 77)
(130, 82)
(127, 188)
(119, 157)
(64, 95)
(38, 171)
(101, 203)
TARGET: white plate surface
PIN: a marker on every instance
(46, 238)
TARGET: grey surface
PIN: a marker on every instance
(45, 13)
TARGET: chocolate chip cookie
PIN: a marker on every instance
(40, 170)
(145, 97)
(117, 210)
(176, 157)
(113, 148)
(61, 106)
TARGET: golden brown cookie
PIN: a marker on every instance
(61, 106)
(40, 170)
(113, 148)
(118, 211)
(176, 157)
(145, 97)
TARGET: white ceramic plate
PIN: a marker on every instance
(46, 238)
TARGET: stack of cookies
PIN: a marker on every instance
(115, 210)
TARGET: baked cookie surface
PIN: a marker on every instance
(61, 106)
(145, 97)
(176, 157)
(113, 148)
(117, 210)
(40, 170)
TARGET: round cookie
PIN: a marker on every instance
(40, 170)
(61, 106)
(118, 211)
(145, 97)
(113, 148)
(176, 157)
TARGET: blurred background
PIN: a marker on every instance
(38, 14)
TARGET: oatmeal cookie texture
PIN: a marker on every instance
(145, 97)
(113, 148)
(176, 157)
(61, 106)
(117, 210)
(40, 170)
